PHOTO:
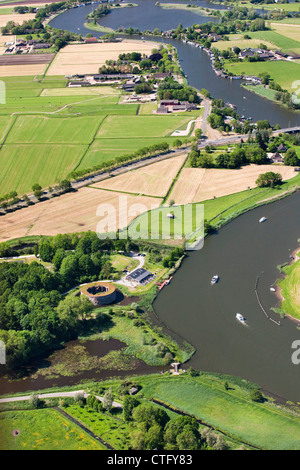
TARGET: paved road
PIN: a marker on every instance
(56, 395)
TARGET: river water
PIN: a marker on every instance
(205, 315)
(259, 351)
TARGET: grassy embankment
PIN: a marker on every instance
(229, 411)
(290, 289)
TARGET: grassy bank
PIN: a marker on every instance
(190, 7)
(229, 411)
(290, 289)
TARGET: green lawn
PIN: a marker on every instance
(262, 91)
(44, 429)
(231, 410)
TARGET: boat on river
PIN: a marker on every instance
(240, 318)
(263, 219)
(214, 279)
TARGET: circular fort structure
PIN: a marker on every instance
(100, 293)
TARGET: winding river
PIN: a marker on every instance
(195, 62)
(259, 351)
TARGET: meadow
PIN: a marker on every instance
(44, 429)
(282, 72)
(228, 410)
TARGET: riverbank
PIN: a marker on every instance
(195, 8)
(200, 396)
(289, 288)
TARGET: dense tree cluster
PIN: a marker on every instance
(171, 89)
(34, 317)
(269, 179)
(239, 156)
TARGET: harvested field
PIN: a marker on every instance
(87, 58)
(36, 3)
(154, 179)
(73, 212)
(16, 17)
(291, 31)
(22, 70)
(25, 59)
(199, 184)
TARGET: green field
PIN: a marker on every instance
(282, 42)
(268, 6)
(141, 126)
(282, 72)
(44, 429)
(228, 410)
(262, 91)
(21, 166)
(53, 130)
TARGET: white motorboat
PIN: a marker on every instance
(263, 219)
(240, 318)
(214, 279)
(272, 289)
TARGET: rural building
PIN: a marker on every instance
(140, 276)
(171, 106)
(281, 148)
(90, 40)
(276, 157)
(162, 110)
(41, 46)
(261, 53)
(161, 75)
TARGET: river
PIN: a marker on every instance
(259, 351)
(195, 62)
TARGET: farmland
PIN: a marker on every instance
(54, 130)
(153, 180)
(76, 58)
(198, 184)
(73, 212)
